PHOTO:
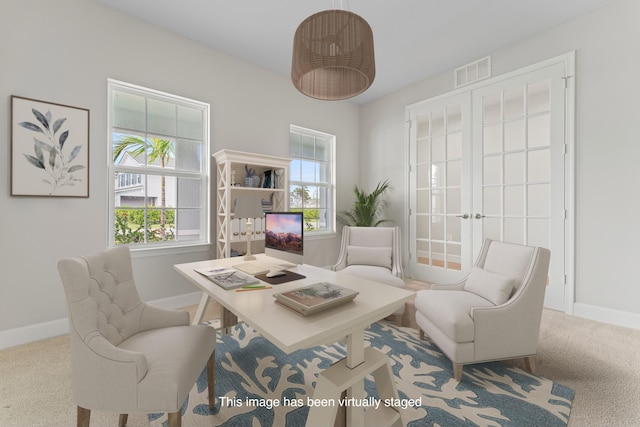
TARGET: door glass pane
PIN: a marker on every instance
(422, 249)
(454, 146)
(539, 166)
(514, 200)
(437, 227)
(514, 230)
(437, 254)
(538, 97)
(539, 132)
(437, 122)
(453, 201)
(438, 151)
(422, 227)
(492, 170)
(513, 103)
(491, 201)
(437, 175)
(423, 199)
(454, 178)
(453, 257)
(514, 168)
(423, 179)
(437, 201)
(422, 149)
(492, 139)
(514, 135)
(453, 229)
(491, 228)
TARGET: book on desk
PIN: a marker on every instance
(228, 278)
(314, 298)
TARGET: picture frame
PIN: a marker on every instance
(49, 149)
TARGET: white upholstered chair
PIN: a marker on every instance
(373, 253)
(494, 313)
(128, 356)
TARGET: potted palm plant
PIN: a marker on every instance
(367, 206)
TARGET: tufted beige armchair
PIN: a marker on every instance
(494, 313)
(128, 356)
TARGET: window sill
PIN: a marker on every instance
(143, 252)
(320, 235)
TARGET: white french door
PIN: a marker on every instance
(440, 186)
(489, 163)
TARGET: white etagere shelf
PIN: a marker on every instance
(230, 173)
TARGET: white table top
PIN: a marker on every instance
(288, 330)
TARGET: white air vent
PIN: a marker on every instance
(472, 72)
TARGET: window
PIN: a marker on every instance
(158, 168)
(312, 178)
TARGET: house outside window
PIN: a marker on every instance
(312, 181)
(158, 168)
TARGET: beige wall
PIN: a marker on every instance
(64, 52)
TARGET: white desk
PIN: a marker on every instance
(291, 332)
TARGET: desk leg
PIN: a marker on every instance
(197, 318)
(355, 357)
(228, 320)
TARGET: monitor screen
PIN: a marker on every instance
(283, 236)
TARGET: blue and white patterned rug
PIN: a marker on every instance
(259, 385)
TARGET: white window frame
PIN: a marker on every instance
(329, 186)
(202, 175)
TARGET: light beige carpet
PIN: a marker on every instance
(600, 362)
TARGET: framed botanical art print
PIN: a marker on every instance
(49, 149)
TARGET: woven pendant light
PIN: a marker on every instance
(333, 55)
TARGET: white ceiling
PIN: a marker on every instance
(413, 39)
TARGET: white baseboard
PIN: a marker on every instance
(607, 315)
(54, 328)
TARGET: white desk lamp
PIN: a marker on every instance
(248, 207)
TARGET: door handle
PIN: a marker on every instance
(465, 216)
(478, 216)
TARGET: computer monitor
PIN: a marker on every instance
(283, 236)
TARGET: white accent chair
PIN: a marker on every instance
(494, 313)
(373, 253)
(127, 356)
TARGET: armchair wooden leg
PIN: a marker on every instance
(84, 416)
(211, 380)
(457, 371)
(123, 420)
(530, 363)
(175, 418)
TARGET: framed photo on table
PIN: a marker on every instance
(49, 149)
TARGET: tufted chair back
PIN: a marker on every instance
(102, 297)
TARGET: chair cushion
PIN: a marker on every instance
(176, 356)
(450, 311)
(376, 274)
(362, 255)
(492, 286)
